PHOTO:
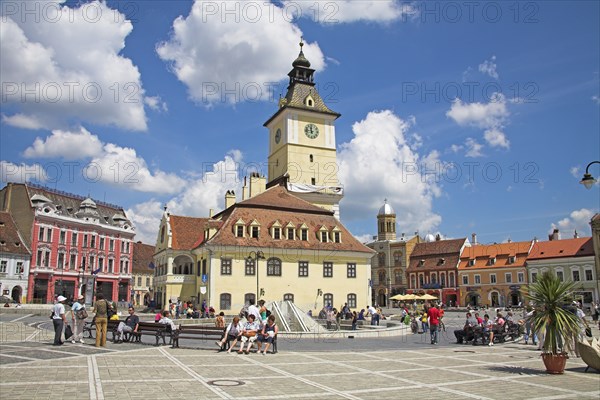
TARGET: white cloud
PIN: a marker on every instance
(65, 144)
(67, 68)
(378, 163)
(578, 220)
(575, 172)
(473, 148)
(596, 99)
(156, 103)
(220, 60)
(496, 138)
(22, 121)
(21, 173)
(490, 116)
(194, 200)
(108, 162)
(488, 67)
(346, 11)
(455, 148)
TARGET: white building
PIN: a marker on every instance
(14, 260)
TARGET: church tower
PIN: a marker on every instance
(302, 149)
(386, 223)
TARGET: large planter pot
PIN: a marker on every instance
(555, 363)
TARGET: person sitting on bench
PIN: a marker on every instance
(466, 333)
(249, 333)
(269, 331)
(233, 332)
(130, 325)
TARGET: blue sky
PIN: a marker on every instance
(468, 117)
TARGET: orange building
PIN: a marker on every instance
(494, 274)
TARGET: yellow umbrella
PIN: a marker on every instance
(427, 297)
(409, 297)
(397, 297)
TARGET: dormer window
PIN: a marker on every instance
(512, 259)
(336, 235)
(239, 231)
(471, 262)
(303, 232)
(492, 261)
(309, 101)
(421, 263)
(441, 261)
(324, 236)
(254, 229)
(277, 233)
(291, 234)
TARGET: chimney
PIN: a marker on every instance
(438, 237)
(245, 191)
(258, 184)
(575, 235)
(473, 238)
(211, 212)
(555, 235)
(229, 199)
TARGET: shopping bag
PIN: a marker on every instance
(68, 332)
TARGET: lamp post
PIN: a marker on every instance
(255, 256)
(389, 283)
(588, 180)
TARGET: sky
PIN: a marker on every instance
(467, 117)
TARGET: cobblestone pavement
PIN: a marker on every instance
(385, 368)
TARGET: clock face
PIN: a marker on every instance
(278, 136)
(311, 131)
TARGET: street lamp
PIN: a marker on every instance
(588, 180)
(255, 256)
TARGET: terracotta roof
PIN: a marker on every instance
(277, 198)
(579, 247)
(482, 253)
(438, 255)
(142, 257)
(11, 241)
(186, 231)
(277, 204)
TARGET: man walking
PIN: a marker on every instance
(434, 322)
(130, 325)
(59, 319)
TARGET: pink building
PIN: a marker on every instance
(78, 245)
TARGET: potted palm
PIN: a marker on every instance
(554, 320)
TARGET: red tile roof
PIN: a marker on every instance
(438, 255)
(142, 257)
(579, 247)
(186, 231)
(11, 241)
(276, 203)
(482, 253)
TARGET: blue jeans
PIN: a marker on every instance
(424, 325)
(433, 329)
(528, 331)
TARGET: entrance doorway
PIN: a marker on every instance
(473, 299)
(16, 294)
(495, 299)
(515, 299)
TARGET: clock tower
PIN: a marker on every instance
(302, 149)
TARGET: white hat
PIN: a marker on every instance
(61, 299)
(80, 297)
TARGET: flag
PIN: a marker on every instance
(151, 265)
(96, 271)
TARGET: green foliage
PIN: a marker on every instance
(551, 297)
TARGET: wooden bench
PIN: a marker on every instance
(158, 330)
(199, 332)
(89, 328)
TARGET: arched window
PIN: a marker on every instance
(451, 279)
(413, 281)
(381, 275)
(273, 267)
(310, 157)
(398, 277)
(351, 300)
(443, 279)
(433, 278)
(381, 258)
(248, 297)
(162, 234)
(225, 301)
(288, 297)
(328, 299)
(420, 281)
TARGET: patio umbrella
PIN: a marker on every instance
(397, 297)
(427, 297)
(409, 297)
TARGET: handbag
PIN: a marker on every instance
(68, 332)
(81, 314)
(110, 311)
(249, 334)
(52, 315)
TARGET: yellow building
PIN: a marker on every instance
(284, 240)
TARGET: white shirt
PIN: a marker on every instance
(254, 311)
(372, 310)
(168, 321)
(58, 309)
